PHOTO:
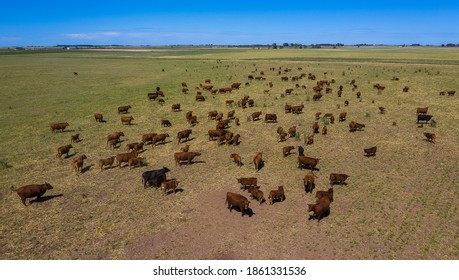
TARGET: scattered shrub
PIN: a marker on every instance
(433, 123)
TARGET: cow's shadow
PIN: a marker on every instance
(326, 214)
(309, 167)
(45, 198)
(260, 165)
(191, 163)
(370, 155)
(86, 168)
(249, 212)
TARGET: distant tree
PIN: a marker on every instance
(274, 46)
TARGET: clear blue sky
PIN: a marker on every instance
(138, 22)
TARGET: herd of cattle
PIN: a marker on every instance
(158, 178)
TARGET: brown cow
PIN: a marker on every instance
(63, 150)
(430, 137)
(112, 143)
(297, 109)
(167, 185)
(222, 124)
(382, 110)
(235, 85)
(166, 123)
(235, 140)
(330, 117)
(59, 126)
(310, 139)
(324, 130)
(148, 137)
(276, 194)
(257, 160)
(307, 161)
(234, 199)
(309, 182)
(200, 98)
(130, 146)
(127, 120)
(230, 114)
(321, 194)
(176, 107)
(124, 109)
(320, 209)
(114, 135)
(185, 156)
(317, 96)
(288, 91)
(34, 190)
(288, 108)
(270, 118)
(236, 121)
(185, 149)
(125, 157)
(292, 131)
(287, 150)
(184, 134)
(317, 115)
(247, 182)
(336, 178)
(346, 102)
(99, 117)
(136, 161)
(370, 151)
(353, 126)
(212, 115)
(342, 116)
(78, 163)
(75, 138)
(315, 127)
(237, 159)
(106, 162)
(451, 92)
(256, 116)
(283, 136)
(215, 133)
(228, 137)
(406, 89)
(160, 138)
(255, 193)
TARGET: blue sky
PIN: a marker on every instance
(138, 22)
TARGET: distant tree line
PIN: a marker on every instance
(450, 45)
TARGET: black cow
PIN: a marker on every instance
(425, 118)
(300, 151)
(154, 178)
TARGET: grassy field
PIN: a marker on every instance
(400, 204)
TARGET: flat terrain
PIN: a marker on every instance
(400, 204)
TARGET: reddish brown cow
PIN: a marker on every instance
(237, 159)
(308, 181)
(315, 127)
(342, 116)
(99, 117)
(328, 194)
(255, 193)
(430, 137)
(124, 109)
(292, 131)
(287, 150)
(78, 163)
(215, 133)
(34, 190)
(288, 108)
(317, 115)
(422, 110)
(125, 157)
(308, 162)
(336, 178)
(256, 116)
(136, 161)
(184, 134)
(241, 202)
(75, 138)
(63, 150)
(185, 156)
(257, 160)
(148, 137)
(310, 139)
(270, 118)
(114, 135)
(353, 126)
(247, 182)
(59, 126)
(176, 107)
(167, 185)
(297, 109)
(160, 138)
(320, 209)
(370, 151)
(106, 162)
(127, 120)
(278, 194)
(166, 123)
(324, 130)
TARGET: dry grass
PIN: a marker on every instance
(401, 204)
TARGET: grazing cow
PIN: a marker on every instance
(193, 120)
(287, 150)
(342, 116)
(184, 134)
(315, 127)
(127, 120)
(228, 137)
(280, 130)
(308, 181)
(241, 202)
(219, 117)
(430, 137)
(292, 131)
(353, 126)
(160, 138)
(184, 84)
(451, 92)
(236, 121)
(235, 140)
(34, 190)
(166, 123)
(256, 116)
(237, 159)
(443, 93)
(257, 160)
(282, 136)
(75, 138)
(406, 89)
(330, 117)
(300, 151)
(297, 109)
(148, 137)
(59, 126)
(124, 109)
(308, 162)
(310, 139)
(99, 117)
(63, 150)
(317, 115)
(336, 178)
(320, 209)
(185, 149)
(229, 102)
(359, 94)
(247, 182)
(230, 114)
(370, 151)
(235, 85)
(215, 133)
(328, 194)
(114, 135)
(176, 107)
(270, 118)
(424, 118)
(288, 108)
(185, 156)
(207, 81)
(106, 162)
(324, 130)
(255, 193)
(137, 161)
(184, 90)
(382, 110)
(134, 146)
(200, 98)
(289, 91)
(317, 96)
(78, 163)
(276, 194)
(155, 177)
(422, 110)
(125, 157)
(167, 185)
(212, 115)
(346, 103)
